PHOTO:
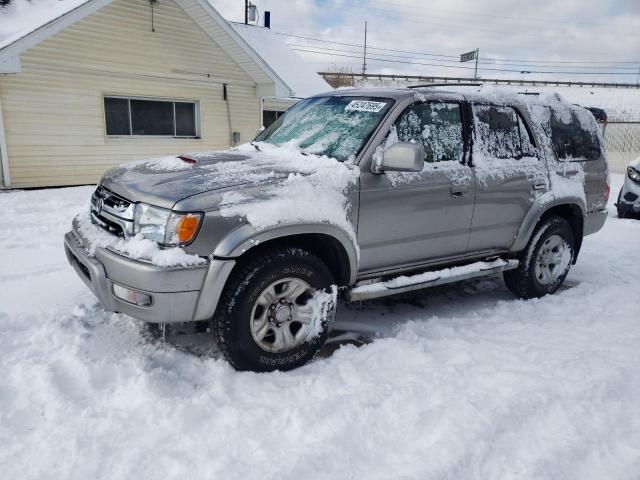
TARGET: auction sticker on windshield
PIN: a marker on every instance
(364, 106)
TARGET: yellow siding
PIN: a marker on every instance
(53, 109)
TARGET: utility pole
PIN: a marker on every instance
(364, 58)
(246, 12)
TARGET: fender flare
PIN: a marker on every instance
(534, 215)
(246, 237)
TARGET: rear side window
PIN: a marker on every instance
(573, 134)
(437, 125)
(501, 133)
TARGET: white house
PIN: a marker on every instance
(89, 84)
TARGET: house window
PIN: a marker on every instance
(148, 117)
(269, 116)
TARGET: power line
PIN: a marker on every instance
(458, 56)
(464, 67)
(634, 69)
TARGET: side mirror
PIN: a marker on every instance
(402, 157)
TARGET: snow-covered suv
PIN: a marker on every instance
(364, 192)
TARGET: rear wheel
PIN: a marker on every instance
(545, 262)
(276, 311)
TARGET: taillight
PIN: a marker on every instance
(607, 191)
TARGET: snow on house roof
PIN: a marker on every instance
(24, 23)
(22, 17)
(299, 76)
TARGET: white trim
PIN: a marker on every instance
(10, 65)
(31, 39)
(4, 155)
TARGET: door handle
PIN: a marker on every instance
(459, 193)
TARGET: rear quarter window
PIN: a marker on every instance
(501, 133)
(573, 134)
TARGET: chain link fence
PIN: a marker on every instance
(622, 142)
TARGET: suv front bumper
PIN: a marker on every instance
(176, 292)
(629, 197)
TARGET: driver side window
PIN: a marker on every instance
(437, 125)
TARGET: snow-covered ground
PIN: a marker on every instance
(459, 382)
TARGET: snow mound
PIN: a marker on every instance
(461, 382)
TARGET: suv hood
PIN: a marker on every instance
(165, 181)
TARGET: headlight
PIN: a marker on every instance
(164, 226)
(633, 174)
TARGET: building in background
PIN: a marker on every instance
(86, 85)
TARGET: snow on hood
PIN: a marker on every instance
(170, 179)
(273, 185)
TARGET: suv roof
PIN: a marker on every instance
(486, 93)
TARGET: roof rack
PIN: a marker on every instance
(446, 85)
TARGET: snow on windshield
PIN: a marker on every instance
(332, 126)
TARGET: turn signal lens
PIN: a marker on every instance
(182, 228)
(187, 227)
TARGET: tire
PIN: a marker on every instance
(545, 262)
(247, 324)
(622, 213)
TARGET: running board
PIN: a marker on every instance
(419, 281)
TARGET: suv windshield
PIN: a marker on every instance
(333, 126)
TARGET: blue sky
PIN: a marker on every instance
(565, 36)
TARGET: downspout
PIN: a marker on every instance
(5, 176)
(234, 136)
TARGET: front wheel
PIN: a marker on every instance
(276, 311)
(545, 262)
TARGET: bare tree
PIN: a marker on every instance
(339, 76)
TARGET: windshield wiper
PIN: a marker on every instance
(256, 146)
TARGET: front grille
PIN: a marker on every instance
(106, 224)
(630, 197)
(111, 212)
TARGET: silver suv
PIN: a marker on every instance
(362, 192)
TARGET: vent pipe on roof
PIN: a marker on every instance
(267, 23)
